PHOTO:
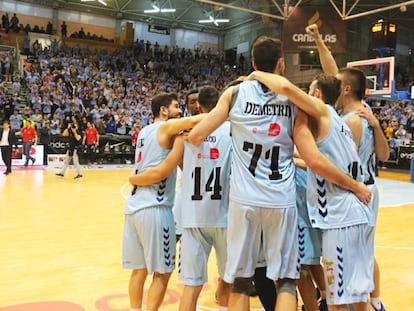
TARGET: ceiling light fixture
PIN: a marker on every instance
(100, 1)
(157, 9)
(212, 20)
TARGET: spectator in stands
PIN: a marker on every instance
(81, 34)
(64, 29)
(401, 133)
(110, 125)
(7, 108)
(14, 23)
(389, 131)
(37, 118)
(49, 28)
(27, 29)
(101, 127)
(122, 126)
(5, 22)
(16, 86)
(16, 120)
(7, 65)
(55, 125)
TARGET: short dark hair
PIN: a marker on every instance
(190, 92)
(330, 88)
(162, 100)
(208, 97)
(265, 53)
(356, 79)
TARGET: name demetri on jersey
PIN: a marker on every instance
(268, 109)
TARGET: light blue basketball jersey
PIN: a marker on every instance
(366, 149)
(262, 171)
(148, 154)
(330, 206)
(205, 181)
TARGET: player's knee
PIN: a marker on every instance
(243, 286)
(286, 286)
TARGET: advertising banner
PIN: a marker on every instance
(331, 27)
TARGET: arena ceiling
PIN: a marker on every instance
(188, 13)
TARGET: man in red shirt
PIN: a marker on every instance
(91, 138)
(29, 137)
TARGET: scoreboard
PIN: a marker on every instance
(384, 34)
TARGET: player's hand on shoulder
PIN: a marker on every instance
(369, 116)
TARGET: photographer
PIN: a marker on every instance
(75, 140)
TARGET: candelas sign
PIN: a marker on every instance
(331, 27)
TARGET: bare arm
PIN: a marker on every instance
(327, 61)
(213, 120)
(174, 126)
(321, 165)
(382, 149)
(278, 84)
(157, 173)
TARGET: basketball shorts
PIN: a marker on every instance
(149, 240)
(348, 275)
(196, 244)
(249, 229)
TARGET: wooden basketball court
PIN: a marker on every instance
(60, 243)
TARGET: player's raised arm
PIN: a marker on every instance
(327, 61)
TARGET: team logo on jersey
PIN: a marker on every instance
(214, 154)
(273, 130)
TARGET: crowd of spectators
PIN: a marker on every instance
(397, 121)
(113, 91)
(13, 24)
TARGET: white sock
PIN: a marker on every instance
(376, 302)
(222, 308)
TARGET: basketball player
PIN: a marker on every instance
(341, 215)
(193, 108)
(204, 204)
(262, 203)
(367, 133)
(310, 247)
(149, 234)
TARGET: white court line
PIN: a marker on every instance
(402, 248)
(124, 191)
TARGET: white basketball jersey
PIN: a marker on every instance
(148, 154)
(262, 171)
(205, 181)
